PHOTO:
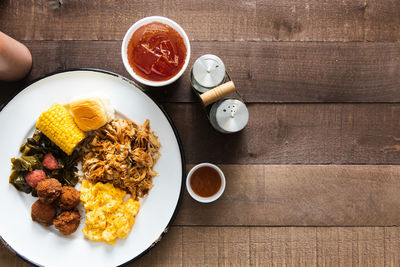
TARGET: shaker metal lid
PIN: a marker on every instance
(231, 115)
(209, 70)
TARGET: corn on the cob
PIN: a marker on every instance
(59, 126)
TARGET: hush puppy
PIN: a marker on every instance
(69, 198)
(67, 221)
(48, 190)
(43, 213)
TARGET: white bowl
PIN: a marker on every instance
(205, 199)
(127, 37)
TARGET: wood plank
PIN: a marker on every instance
(295, 134)
(382, 20)
(351, 246)
(168, 252)
(216, 246)
(202, 247)
(229, 20)
(392, 246)
(285, 246)
(301, 195)
(308, 72)
(267, 246)
(311, 20)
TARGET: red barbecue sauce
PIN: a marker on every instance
(205, 181)
(156, 52)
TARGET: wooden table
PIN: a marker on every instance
(313, 179)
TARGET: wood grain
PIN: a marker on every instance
(295, 134)
(300, 195)
(168, 252)
(392, 246)
(313, 20)
(382, 20)
(266, 246)
(308, 72)
(271, 246)
(216, 246)
(348, 246)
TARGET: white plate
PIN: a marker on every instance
(46, 246)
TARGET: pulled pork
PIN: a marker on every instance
(122, 153)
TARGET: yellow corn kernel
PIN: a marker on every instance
(59, 126)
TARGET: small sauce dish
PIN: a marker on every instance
(141, 48)
(205, 182)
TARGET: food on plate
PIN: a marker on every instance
(156, 52)
(91, 113)
(117, 168)
(48, 190)
(53, 197)
(43, 213)
(69, 198)
(34, 177)
(67, 221)
(108, 216)
(26, 162)
(59, 126)
(50, 162)
(40, 155)
(122, 153)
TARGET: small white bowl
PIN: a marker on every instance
(205, 199)
(127, 38)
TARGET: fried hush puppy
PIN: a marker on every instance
(69, 198)
(48, 190)
(43, 213)
(53, 195)
(67, 221)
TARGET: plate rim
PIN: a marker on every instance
(175, 130)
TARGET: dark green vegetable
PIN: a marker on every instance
(69, 177)
(18, 181)
(26, 163)
(33, 152)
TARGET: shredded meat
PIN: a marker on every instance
(122, 153)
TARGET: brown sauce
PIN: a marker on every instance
(156, 52)
(205, 181)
